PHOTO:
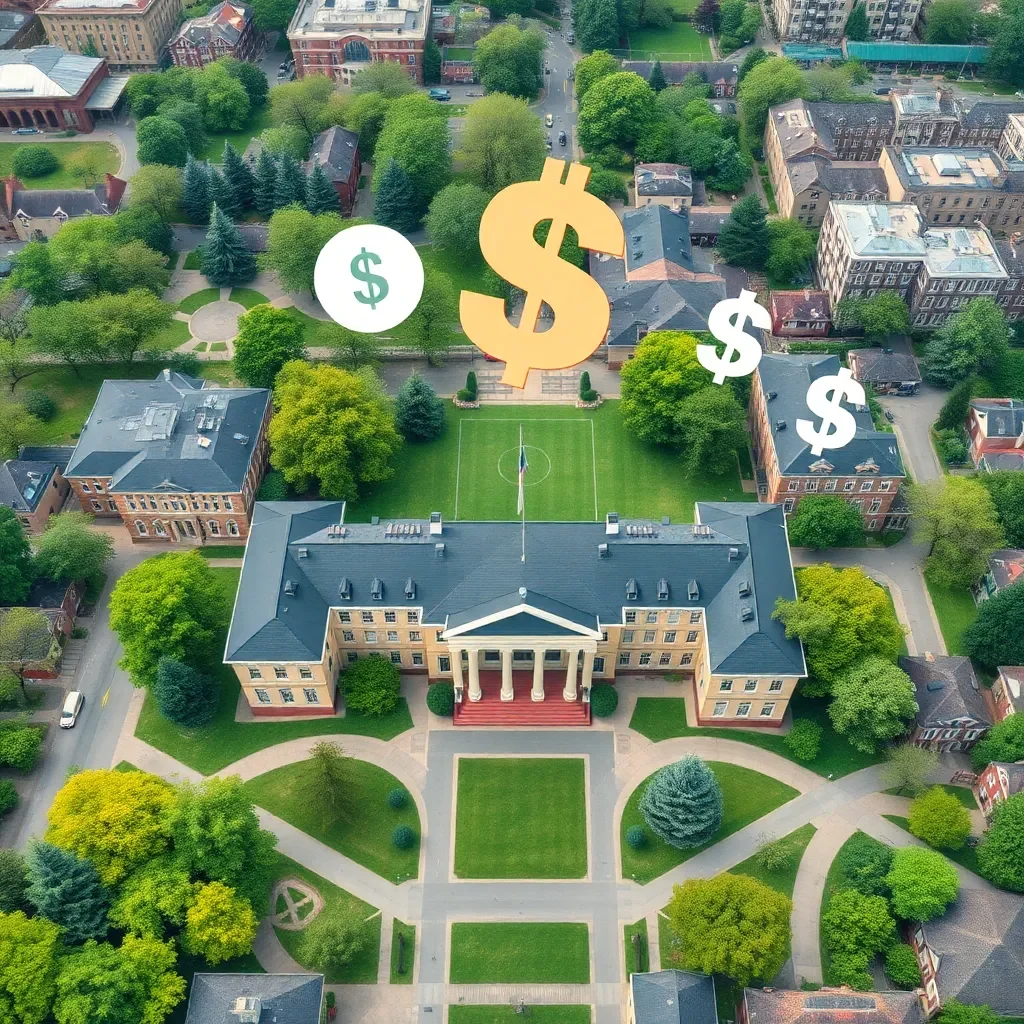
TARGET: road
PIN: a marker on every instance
(557, 98)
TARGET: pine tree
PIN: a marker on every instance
(265, 183)
(238, 176)
(395, 203)
(291, 182)
(67, 890)
(744, 241)
(657, 80)
(185, 695)
(683, 803)
(419, 413)
(221, 194)
(195, 190)
(320, 194)
(226, 259)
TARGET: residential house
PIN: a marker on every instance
(34, 486)
(952, 712)
(1008, 691)
(827, 1006)
(458, 602)
(177, 459)
(722, 77)
(1005, 567)
(255, 998)
(973, 953)
(671, 997)
(867, 472)
(995, 429)
(886, 371)
(336, 150)
(800, 314)
(39, 213)
(226, 30)
(59, 603)
(998, 782)
(668, 185)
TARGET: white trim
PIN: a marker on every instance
(458, 463)
(593, 459)
(574, 627)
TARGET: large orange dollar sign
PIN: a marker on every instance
(580, 305)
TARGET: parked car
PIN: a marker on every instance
(561, 138)
(549, 120)
(72, 706)
(548, 142)
(26, 131)
(882, 92)
(570, 38)
(442, 95)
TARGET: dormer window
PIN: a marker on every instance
(345, 589)
(376, 588)
(663, 589)
(410, 589)
(631, 590)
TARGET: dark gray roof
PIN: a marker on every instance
(704, 221)
(986, 113)
(479, 572)
(857, 178)
(11, 23)
(947, 689)
(1003, 419)
(173, 434)
(48, 202)
(335, 150)
(220, 22)
(660, 179)
(58, 454)
(1012, 257)
(676, 71)
(830, 1006)
(883, 366)
(851, 115)
(980, 945)
(1006, 566)
(46, 594)
(23, 482)
(789, 376)
(1012, 461)
(674, 997)
(285, 998)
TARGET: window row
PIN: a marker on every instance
(652, 617)
(750, 686)
(412, 617)
(287, 695)
(811, 484)
(280, 672)
(646, 658)
(743, 709)
(160, 530)
(668, 637)
(370, 636)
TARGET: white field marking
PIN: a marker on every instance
(458, 463)
(593, 459)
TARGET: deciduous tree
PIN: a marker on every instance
(272, 14)
(854, 929)
(432, 321)
(996, 637)
(713, 425)
(161, 141)
(416, 136)
(352, 349)
(156, 894)
(29, 955)
(790, 250)
(67, 890)
(222, 98)
(453, 220)
(69, 550)
(951, 21)
(954, 1012)
(25, 639)
(973, 339)
(825, 521)
(332, 941)
(593, 68)
(1007, 490)
(615, 111)
(158, 188)
(1001, 853)
(219, 925)
(940, 819)
(502, 143)
(388, 78)
(328, 779)
(769, 83)
(507, 60)
(683, 803)
(372, 686)
(294, 240)
(923, 883)
(908, 767)
(872, 701)
(267, 339)
(1003, 742)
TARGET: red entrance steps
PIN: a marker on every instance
(554, 710)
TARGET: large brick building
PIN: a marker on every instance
(177, 459)
(995, 430)
(227, 30)
(953, 713)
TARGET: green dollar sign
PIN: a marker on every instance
(376, 286)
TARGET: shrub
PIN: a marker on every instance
(772, 854)
(273, 487)
(636, 837)
(34, 161)
(40, 405)
(19, 745)
(951, 446)
(441, 699)
(403, 837)
(8, 796)
(940, 819)
(901, 966)
(854, 928)
(604, 699)
(471, 384)
(585, 387)
(465, 396)
(851, 969)
(397, 799)
(371, 686)
(187, 363)
(803, 739)
(330, 1000)
(864, 863)
(922, 883)
(589, 396)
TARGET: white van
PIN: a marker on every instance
(72, 706)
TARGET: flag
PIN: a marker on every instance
(523, 467)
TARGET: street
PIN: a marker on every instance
(557, 98)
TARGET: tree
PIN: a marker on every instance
(17, 427)
(884, 314)
(87, 165)
(226, 259)
(372, 686)
(67, 890)
(301, 104)
(713, 424)
(940, 819)
(156, 894)
(272, 14)
(222, 98)
(320, 194)
(219, 925)
(951, 21)
(267, 339)
(1007, 490)
(1001, 853)
(744, 240)
(908, 767)
(502, 143)
(388, 78)
(416, 136)
(251, 76)
(332, 941)
(419, 413)
(395, 204)
(854, 928)
(973, 339)
(290, 184)
(431, 62)
(36, 271)
(767, 84)
(790, 250)
(825, 521)
(353, 349)
(432, 321)
(654, 383)
(104, 985)
(161, 141)
(332, 427)
(923, 883)
(863, 864)
(453, 220)
(872, 701)
(732, 925)
(957, 517)
(29, 952)
(996, 637)
(683, 803)
(158, 188)
(16, 572)
(365, 115)
(597, 25)
(328, 779)
(168, 607)
(185, 695)
(593, 68)
(607, 186)
(842, 616)
(953, 1012)
(1003, 63)
(69, 550)
(901, 965)
(507, 60)
(294, 240)
(803, 740)
(657, 80)
(830, 84)
(114, 819)
(13, 881)
(195, 190)
(237, 173)
(1003, 742)
(190, 116)
(264, 183)
(25, 639)
(615, 111)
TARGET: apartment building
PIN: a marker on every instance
(131, 35)
(177, 459)
(811, 20)
(457, 601)
(839, 131)
(924, 119)
(339, 38)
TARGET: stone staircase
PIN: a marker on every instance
(554, 710)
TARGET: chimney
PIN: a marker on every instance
(247, 1009)
(167, 374)
(734, 554)
(436, 525)
(439, 550)
(602, 550)
(611, 524)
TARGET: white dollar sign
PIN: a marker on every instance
(831, 411)
(747, 348)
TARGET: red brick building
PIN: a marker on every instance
(802, 314)
(337, 152)
(953, 713)
(226, 31)
(998, 782)
(1008, 691)
(996, 430)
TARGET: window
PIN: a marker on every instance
(140, 528)
(793, 485)
(623, 658)
(725, 685)
(750, 686)
(392, 636)
(262, 696)
(830, 485)
(673, 618)
(367, 618)
(370, 636)
(598, 666)
(344, 617)
(630, 618)
(694, 617)
(768, 709)
(652, 617)
(664, 659)
(787, 505)
(413, 618)
(390, 617)
(866, 485)
(98, 485)
(444, 663)
(280, 672)
(645, 658)
(691, 636)
(97, 507)
(232, 528)
(670, 636)
(649, 636)
(720, 709)
(214, 527)
(312, 697)
(159, 529)
(848, 485)
(227, 504)
(254, 672)
(438, 633)
(287, 696)
(885, 485)
(555, 656)
(111, 505)
(417, 658)
(876, 505)
(743, 709)
(492, 656)
(810, 485)
(686, 659)
(348, 636)
(415, 636)
(86, 487)
(305, 672)
(775, 686)
(627, 636)
(396, 657)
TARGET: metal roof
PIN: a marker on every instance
(44, 71)
(925, 52)
(107, 93)
(811, 51)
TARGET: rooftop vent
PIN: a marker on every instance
(631, 589)
(376, 588)
(439, 549)
(602, 550)
(336, 531)
(246, 1009)
(701, 530)
(746, 613)
(375, 520)
(611, 523)
(744, 588)
(693, 590)
(665, 520)
(780, 424)
(303, 552)
(410, 589)
(663, 589)
(935, 685)
(291, 587)
(734, 554)
(436, 524)
(345, 589)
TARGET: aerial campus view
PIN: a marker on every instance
(511, 510)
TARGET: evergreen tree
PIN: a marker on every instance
(857, 24)
(291, 182)
(226, 259)
(395, 203)
(185, 695)
(238, 176)
(744, 239)
(195, 190)
(66, 889)
(320, 194)
(221, 194)
(419, 413)
(683, 803)
(657, 79)
(265, 183)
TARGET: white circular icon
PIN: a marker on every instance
(368, 278)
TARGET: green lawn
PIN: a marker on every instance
(248, 297)
(59, 178)
(202, 346)
(521, 818)
(662, 718)
(497, 1014)
(192, 260)
(218, 346)
(475, 457)
(408, 954)
(362, 830)
(746, 796)
(526, 953)
(784, 879)
(176, 333)
(192, 302)
(458, 53)
(680, 41)
(362, 969)
(214, 150)
(966, 856)
(955, 609)
(469, 276)
(632, 966)
(227, 551)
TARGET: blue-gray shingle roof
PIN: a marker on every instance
(283, 998)
(23, 483)
(673, 997)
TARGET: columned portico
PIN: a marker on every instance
(475, 692)
(537, 693)
(507, 692)
(569, 693)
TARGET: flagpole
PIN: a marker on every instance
(522, 491)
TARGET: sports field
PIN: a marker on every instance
(680, 41)
(582, 464)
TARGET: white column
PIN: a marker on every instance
(588, 669)
(507, 692)
(537, 693)
(474, 675)
(569, 693)
(455, 657)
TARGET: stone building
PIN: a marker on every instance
(925, 119)
(226, 31)
(38, 213)
(953, 714)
